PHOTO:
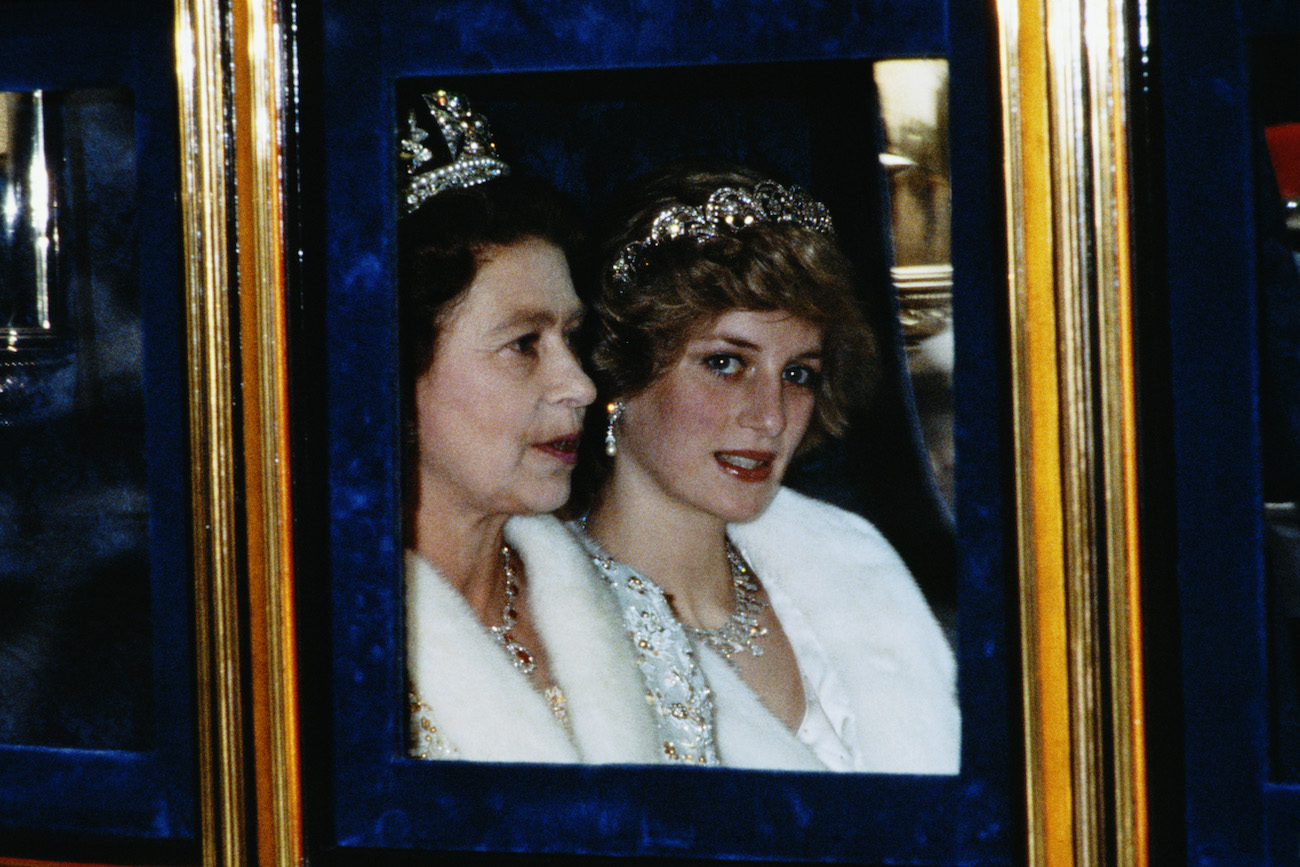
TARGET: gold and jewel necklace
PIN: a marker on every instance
(521, 656)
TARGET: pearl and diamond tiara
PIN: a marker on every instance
(468, 139)
(728, 210)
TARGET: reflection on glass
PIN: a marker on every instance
(914, 111)
(74, 581)
(34, 371)
(1277, 105)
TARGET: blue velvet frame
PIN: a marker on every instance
(1235, 807)
(61, 796)
(381, 800)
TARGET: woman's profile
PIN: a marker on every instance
(728, 340)
(515, 651)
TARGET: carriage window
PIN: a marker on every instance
(75, 658)
(914, 112)
(1277, 105)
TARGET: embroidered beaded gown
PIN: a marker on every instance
(878, 674)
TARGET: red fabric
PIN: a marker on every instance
(1284, 147)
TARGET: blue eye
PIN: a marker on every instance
(798, 374)
(723, 364)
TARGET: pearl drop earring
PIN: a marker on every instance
(615, 410)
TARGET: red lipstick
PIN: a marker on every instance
(746, 465)
(565, 448)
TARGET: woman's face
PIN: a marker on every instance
(500, 408)
(715, 434)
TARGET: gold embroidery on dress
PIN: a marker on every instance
(675, 685)
(426, 741)
(558, 704)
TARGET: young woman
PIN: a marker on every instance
(728, 340)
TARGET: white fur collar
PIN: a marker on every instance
(872, 622)
(489, 711)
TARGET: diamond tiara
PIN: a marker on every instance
(468, 139)
(728, 209)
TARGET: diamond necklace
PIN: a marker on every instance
(521, 656)
(741, 630)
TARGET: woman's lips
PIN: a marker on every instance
(565, 448)
(746, 465)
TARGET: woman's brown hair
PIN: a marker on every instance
(644, 316)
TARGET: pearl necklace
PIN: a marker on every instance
(521, 656)
(741, 631)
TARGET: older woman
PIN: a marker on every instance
(728, 340)
(515, 651)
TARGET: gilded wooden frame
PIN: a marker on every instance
(212, 436)
(232, 79)
(1065, 101)
(261, 72)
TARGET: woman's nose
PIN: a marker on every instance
(570, 384)
(764, 409)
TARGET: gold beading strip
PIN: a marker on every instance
(1029, 208)
(1109, 60)
(261, 80)
(1069, 120)
(200, 71)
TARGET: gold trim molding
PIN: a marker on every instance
(204, 211)
(232, 179)
(1065, 99)
(261, 82)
